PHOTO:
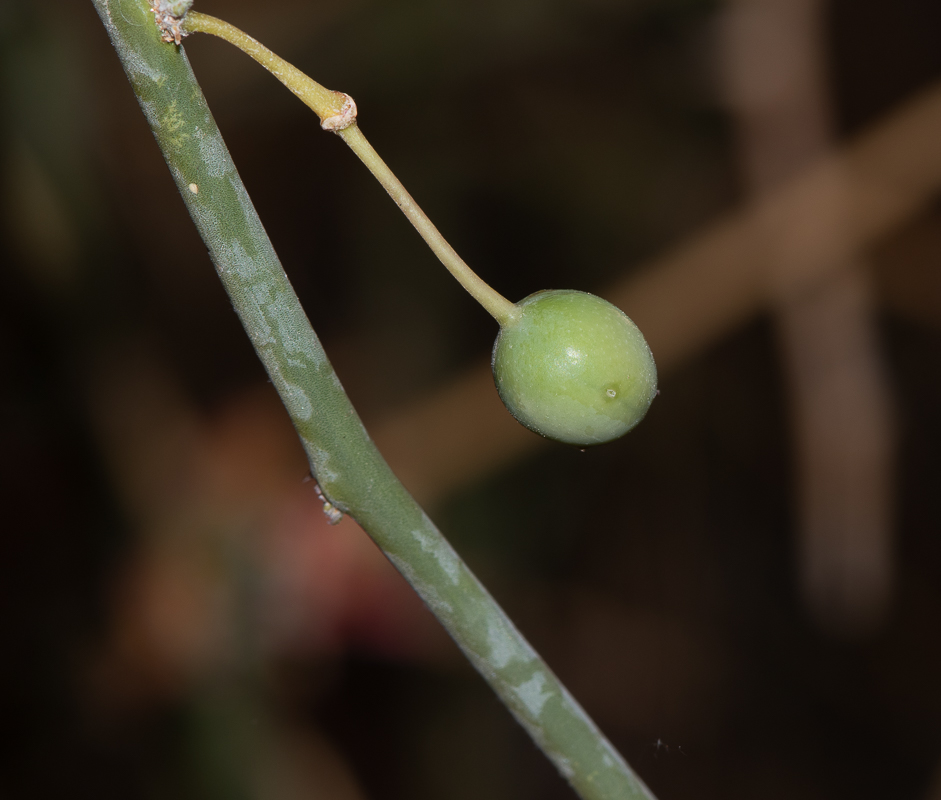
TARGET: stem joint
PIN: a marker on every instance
(345, 117)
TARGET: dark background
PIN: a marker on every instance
(177, 621)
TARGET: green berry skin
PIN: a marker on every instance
(574, 368)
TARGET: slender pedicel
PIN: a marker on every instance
(337, 113)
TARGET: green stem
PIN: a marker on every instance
(324, 102)
(501, 309)
(328, 104)
(351, 472)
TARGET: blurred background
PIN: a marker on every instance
(745, 592)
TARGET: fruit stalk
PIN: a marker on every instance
(332, 108)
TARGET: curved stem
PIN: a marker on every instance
(321, 100)
(502, 310)
(327, 104)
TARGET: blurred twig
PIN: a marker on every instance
(840, 412)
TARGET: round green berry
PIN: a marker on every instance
(573, 367)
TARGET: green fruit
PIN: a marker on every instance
(574, 368)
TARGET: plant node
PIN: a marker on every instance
(331, 512)
(169, 18)
(345, 117)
